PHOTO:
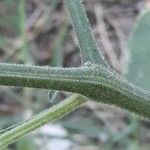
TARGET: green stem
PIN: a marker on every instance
(51, 114)
(57, 56)
(23, 53)
(88, 47)
(98, 83)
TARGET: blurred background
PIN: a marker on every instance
(39, 32)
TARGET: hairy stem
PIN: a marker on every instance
(22, 16)
(98, 83)
(51, 114)
(88, 47)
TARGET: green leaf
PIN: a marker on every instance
(139, 46)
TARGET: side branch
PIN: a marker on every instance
(51, 114)
(88, 47)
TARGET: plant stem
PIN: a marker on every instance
(57, 56)
(88, 47)
(23, 52)
(95, 82)
(51, 114)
